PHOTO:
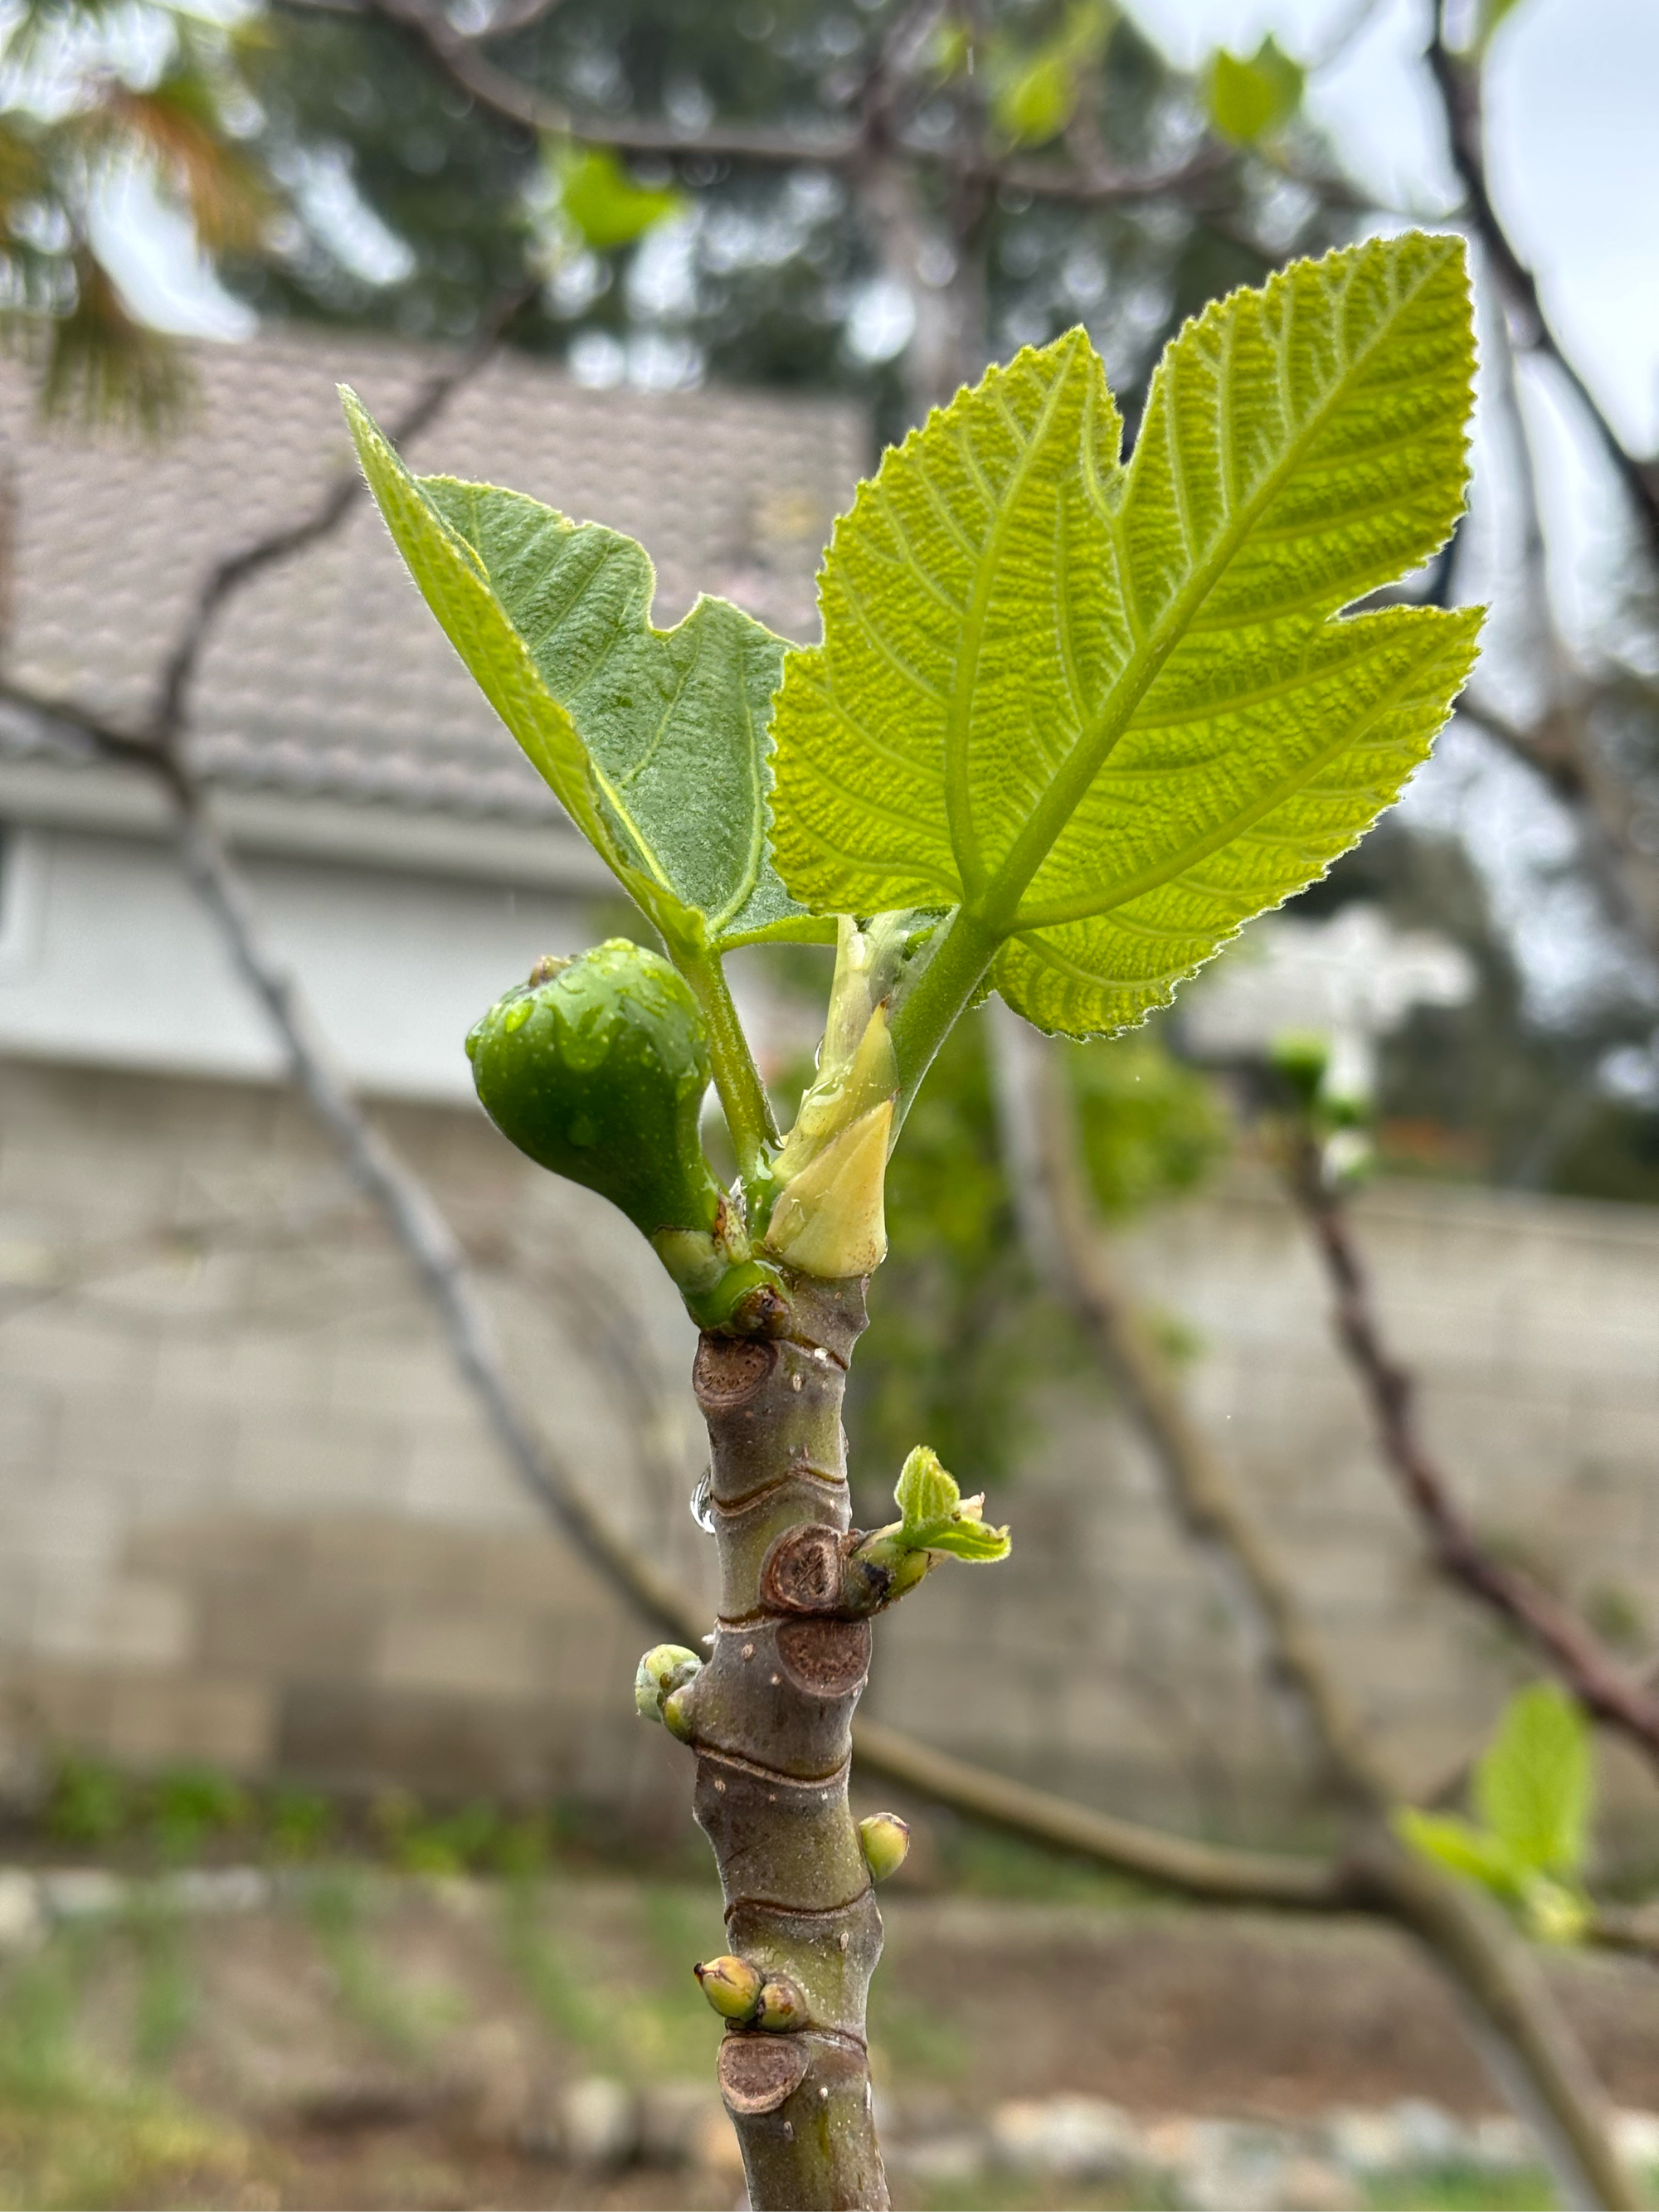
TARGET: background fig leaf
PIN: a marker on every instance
(655, 741)
(1463, 1848)
(1251, 100)
(1531, 1787)
(1110, 710)
(602, 203)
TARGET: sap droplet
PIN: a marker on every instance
(518, 1014)
(702, 1511)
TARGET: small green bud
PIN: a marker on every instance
(886, 1842)
(781, 2007)
(664, 1671)
(596, 1069)
(1553, 1914)
(732, 1985)
(677, 1713)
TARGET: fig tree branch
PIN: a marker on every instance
(1526, 2039)
(1552, 1628)
(460, 57)
(1370, 1877)
(1458, 79)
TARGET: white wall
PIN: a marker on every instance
(107, 957)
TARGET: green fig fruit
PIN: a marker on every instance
(596, 1068)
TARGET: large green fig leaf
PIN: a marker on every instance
(655, 741)
(1110, 710)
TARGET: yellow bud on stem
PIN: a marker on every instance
(886, 1842)
(661, 1681)
(732, 1985)
(781, 2007)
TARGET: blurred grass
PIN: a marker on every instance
(402, 2017)
(643, 2025)
(72, 2137)
(1462, 2189)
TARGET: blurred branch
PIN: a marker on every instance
(1552, 1628)
(1558, 743)
(237, 570)
(1068, 1254)
(459, 56)
(511, 16)
(1631, 1927)
(1523, 2035)
(1458, 81)
(1206, 1871)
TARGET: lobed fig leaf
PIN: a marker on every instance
(1533, 1783)
(1109, 710)
(1533, 1789)
(656, 742)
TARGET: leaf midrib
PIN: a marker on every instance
(1067, 788)
(958, 801)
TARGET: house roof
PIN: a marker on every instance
(327, 679)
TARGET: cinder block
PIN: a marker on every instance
(266, 1627)
(299, 1464)
(468, 1655)
(259, 1369)
(158, 1720)
(132, 1623)
(76, 1351)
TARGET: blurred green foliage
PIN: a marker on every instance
(1534, 1793)
(331, 171)
(962, 1341)
(75, 2136)
(1252, 99)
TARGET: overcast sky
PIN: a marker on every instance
(1572, 99)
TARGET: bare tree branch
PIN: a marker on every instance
(1603, 1686)
(236, 570)
(1525, 2038)
(1458, 83)
(1046, 1175)
(835, 146)
(1558, 743)
(1218, 1875)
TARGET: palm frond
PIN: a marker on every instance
(103, 368)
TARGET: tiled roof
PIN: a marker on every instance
(327, 675)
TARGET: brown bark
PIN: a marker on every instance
(770, 1719)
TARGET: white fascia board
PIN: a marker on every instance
(102, 796)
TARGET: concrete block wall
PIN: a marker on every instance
(248, 1514)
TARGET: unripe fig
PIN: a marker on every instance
(596, 1068)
